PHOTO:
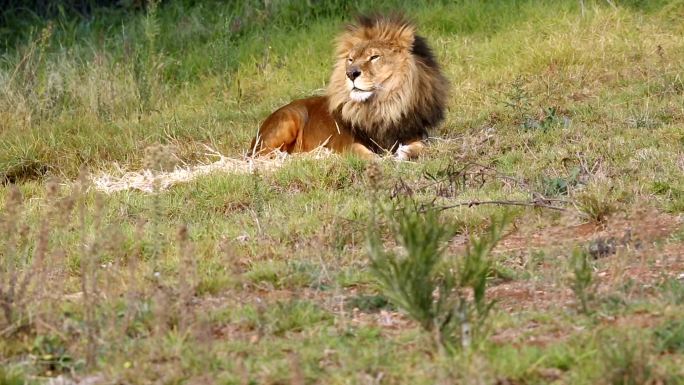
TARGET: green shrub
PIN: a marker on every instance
(419, 279)
(582, 281)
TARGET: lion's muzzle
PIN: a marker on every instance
(353, 72)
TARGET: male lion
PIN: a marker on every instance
(385, 92)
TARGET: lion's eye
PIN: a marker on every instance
(374, 57)
(350, 60)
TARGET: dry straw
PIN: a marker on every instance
(149, 180)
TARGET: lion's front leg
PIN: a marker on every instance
(362, 151)
(410, 150)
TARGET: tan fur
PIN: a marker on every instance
(385, 92)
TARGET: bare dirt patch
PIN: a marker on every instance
(635, 229)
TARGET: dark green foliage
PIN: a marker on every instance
(52, 355)
(554, 186)
(368, 303)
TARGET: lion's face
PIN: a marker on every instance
(373, 61)
(369, 70)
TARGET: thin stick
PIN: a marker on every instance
(532, 203)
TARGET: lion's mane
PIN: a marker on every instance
(408, 112)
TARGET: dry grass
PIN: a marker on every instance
(151, 180)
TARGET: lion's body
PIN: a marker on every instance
(302, 126)
(386, 91)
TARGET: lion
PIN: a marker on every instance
(385, 92)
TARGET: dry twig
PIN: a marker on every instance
(542, 203)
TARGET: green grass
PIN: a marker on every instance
(272, 282)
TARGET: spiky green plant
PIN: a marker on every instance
(582, 281)
(410, 277)
(474, 269)
(418, 278)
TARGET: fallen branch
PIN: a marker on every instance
(542, 203)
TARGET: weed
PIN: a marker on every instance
(626, 360)
(23, 170)
(410, 279)
(475, 267)
(149, 62)
(670, 337)
(52, 356)
(595, 206)
(418, 278)
(368, 303)
(517, 99)
(642, 119)
(11, 378)
(554, 186)
(582, 280)
(293, 316)
(138, 318)
(266, 272)
(613, 304)
(213, 279)
(10, 275)
(672, 289)
(674, 195)
(448, 181)
(187, 277)
(23, 268)
(90, 258)
(548, 120)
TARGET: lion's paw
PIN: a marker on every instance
(402, 153)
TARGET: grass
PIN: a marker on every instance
(265, 277)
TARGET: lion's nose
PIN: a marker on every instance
(353, 73)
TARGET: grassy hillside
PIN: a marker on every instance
(567, 119)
